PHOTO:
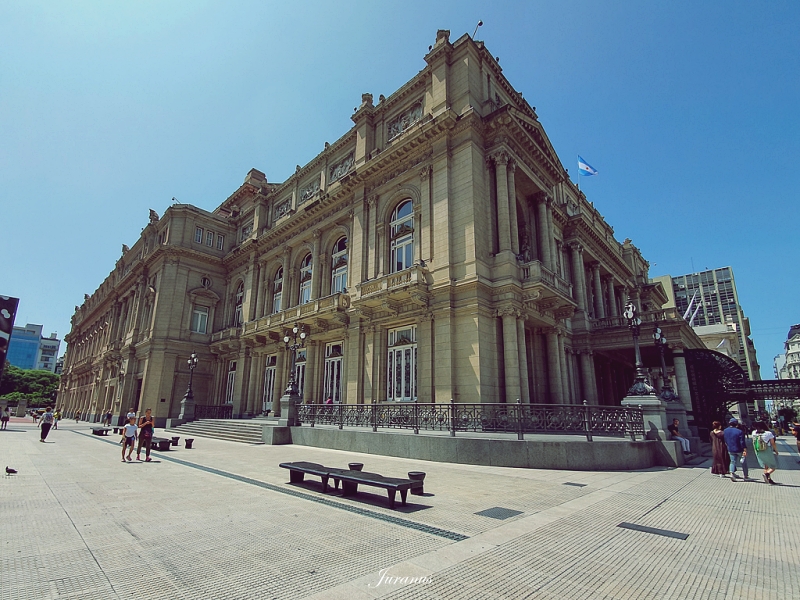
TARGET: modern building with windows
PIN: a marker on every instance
(438, 250)
(28, 349)
(710, 298)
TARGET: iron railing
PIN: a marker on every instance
(519, 418)
(220, 411)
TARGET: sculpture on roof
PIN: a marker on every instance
(153, 217)
(125, 248)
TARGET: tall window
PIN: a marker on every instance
(198, 235)
(300, 371)
(402, 237)
(237, 310)
(200, 319)
(305, 280)
(230, 382)
(339, 266)
(277, 291)
(269, 382)
(220, 242)
(209, 238)
(333, 372)
(402, 364)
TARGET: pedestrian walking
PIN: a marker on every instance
(107, 419)
(145, 435)
(128, 438)
(719, 451)
(77, 416)
(766, 451)
(46, 423)
(737, 448)
(4, 417)
(56, 418)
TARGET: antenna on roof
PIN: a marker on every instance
(476, 29)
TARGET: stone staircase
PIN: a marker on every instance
(247, 431)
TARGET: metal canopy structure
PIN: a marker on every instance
(717, 382)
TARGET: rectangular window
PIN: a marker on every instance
(210, 239)
(198, 235)
(269, 382)
(231, 382)
(220, 242)
(333, 372)
(300, 371)
(402, 365)
(200, 319)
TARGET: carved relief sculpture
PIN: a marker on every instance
(283, 208)
(405, 120)
(309, 191)
(342, 168)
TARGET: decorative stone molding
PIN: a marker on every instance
(393, 308)
(425, 172)
(309, 191)
(283, 208)
(404, 120)
(342, 168)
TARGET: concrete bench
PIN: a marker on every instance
(162, 444)
(100, 430)
(350, 479)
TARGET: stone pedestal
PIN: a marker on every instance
(289, 404)
(21, 409)
(676, 410)
(187, 407)
(655, 415)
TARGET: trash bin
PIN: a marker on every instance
(355, 466)
(189, 443)
(417, 489)
(175, 440)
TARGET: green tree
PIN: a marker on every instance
(37, 387)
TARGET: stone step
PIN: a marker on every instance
(234, 430)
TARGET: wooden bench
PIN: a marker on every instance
(350, 479)
(162, 444)
(100, 430)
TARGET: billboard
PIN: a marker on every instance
(8, 310)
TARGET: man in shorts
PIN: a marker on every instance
(128, 438)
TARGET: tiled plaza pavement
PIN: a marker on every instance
(222, 521)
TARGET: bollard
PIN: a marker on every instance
(341, 415)
(374, 417)
(452, 418)
(189, 443)
(416, 417)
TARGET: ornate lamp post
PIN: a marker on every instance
(294, 340)
(667, 394)
(187, 404)
(641, 386)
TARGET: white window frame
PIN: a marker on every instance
(198, 235)
(401, 362)
(210, 238)
(300, 371)
(277, 291)
(339, 273)
(306, 276)
(238, 301)
(270, 372)
(230, 383)
(334, 363)
(401, 234)
(220, 242)
(199, 322)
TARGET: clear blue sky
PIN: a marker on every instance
(689, 110)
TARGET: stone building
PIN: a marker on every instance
(436, 251)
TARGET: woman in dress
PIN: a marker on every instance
(766, 451)
(719, 451)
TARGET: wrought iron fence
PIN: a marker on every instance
(519, 418)
(220, 411)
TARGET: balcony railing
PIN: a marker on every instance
(412, 275)
(536, 272)
(519, 418)
(654, 316)
(220, 411)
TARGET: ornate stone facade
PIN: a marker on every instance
(449, 260)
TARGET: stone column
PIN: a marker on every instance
(256, 363)
(522, 347)
(425, 354)
(599, 309)
(512, 207)
(503, 214)
(310, 391)
(588, 380)
(682, 380)
(562, 357)
(263, 293)
(577, 275)
(510, 354)
(255, 292)
(280, 381)
(543, 229)
(612, 298)
(554, 367)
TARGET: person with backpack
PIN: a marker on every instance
(766, 451)
(737, 448)
(46, 423)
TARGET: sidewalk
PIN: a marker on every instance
(222, 521)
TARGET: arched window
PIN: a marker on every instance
(402, 237)
(339, 266)
(237, 312)
(305, 280)
(277, 291)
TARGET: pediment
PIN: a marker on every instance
(206, 294)
(546, 154)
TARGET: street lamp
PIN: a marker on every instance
(641, 386)
(293, 342)
(667, 394)
(187, 404)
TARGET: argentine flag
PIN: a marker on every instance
(585, 168)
